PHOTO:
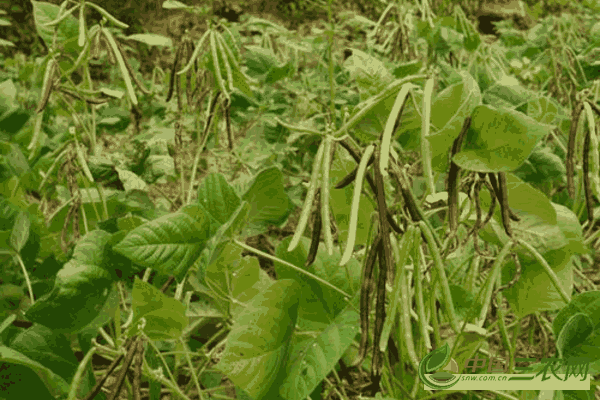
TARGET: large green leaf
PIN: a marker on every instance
(8, 97)
(550, 228)
(499, 140)
(78, 296)
(574, 332)
(258, 345)
(544, 110)
(312, 359)
(534, 280)
(12, 161)
(12, 300)
(172, 243)
(327, 324)
(543, 166)
(320, 304)
(571, 229)
(20, 232)
(577, 329)
(538, 223)
(448, 112)
(587, 303)
(66, 32)
(270, 204)
(13, 120)
(81, 287)
(47, 347)
(259, 61)
(165, 317)
(234, 279)
(218, 197)
(24, 378)
(370, 74)
(507, 93)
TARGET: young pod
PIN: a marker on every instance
(310, 196)
(174, 73)
(48, 85)
(362, 169)
(95, 48)
(316, 234)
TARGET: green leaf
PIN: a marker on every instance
(106, 314)
(408, 68)
(130, 180)
(577, 327)
(464, 301)
(234, 279)
(47, 347)
(258, 345)
(543, 166)
(66, 31)
(579, 394)
(448, 39)
(237, 222)
(472, 40)
(555, 233)
(539, 222)
(270, 204)
(499, 140)
(280, 72)
(12, 161)
(218, 197)
(259, 61)
(534, 279)
(507, 93)
(546, 225)
(544, 110)
(157, 166)
(370, 74)
(574, 332)
(79, 293)
(8, 96)
(320, 304)
(313, 359)
(13, 120)
(165, 316)
(12, 300)
(20, 232)
(571, 229)
(170, 244)
(23, 378)
(587, 303)
(448, 112)
(240, 82)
